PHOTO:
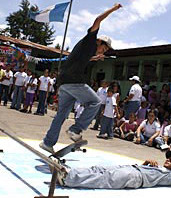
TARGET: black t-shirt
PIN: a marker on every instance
(73, 70)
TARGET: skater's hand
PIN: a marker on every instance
(98, 57)
(117, 6)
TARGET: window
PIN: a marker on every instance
(118, 74)
(150, 71)
(132, 69)
(166, 72)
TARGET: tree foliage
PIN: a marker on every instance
(22, 27)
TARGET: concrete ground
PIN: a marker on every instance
(34, 127)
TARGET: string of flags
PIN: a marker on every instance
(36, 60)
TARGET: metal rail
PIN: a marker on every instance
(50, 162)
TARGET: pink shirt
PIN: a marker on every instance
(130, 126)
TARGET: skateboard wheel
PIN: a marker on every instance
(84, 150)
(72, 150)
(1, 151)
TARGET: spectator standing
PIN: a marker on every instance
(107, 121)
(133, 101)
(102, 93)
(142, 111)
(31, 87)
(152, 95)
(5, 84)
(19, 82)
(43, 90)
(148, 130)
(2, 74)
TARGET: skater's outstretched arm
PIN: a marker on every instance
(101, 17)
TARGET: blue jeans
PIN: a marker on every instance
(144, 139)
(4, 92)
(107, 126)
(68, 94)
(131, 107)
(17, 97)
(42, 102)
(98, 116)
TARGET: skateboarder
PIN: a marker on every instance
(73, 85)
(149, 174)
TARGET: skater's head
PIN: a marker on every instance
(103, 44)
(110, 92)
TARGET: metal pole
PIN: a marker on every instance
(66, 28)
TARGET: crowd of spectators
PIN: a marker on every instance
(24, 87)
(143, 116)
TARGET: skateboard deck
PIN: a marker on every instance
(76, 146)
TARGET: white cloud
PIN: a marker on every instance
(59, 40)
(120, 44)
(156, 41)
(3, 26)
(136, 11)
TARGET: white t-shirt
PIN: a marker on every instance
(150, 129)
(32, 89)
(44, 81)
(20, 78)
(51, 88)
(136, 90)
(109, 107)
(27, 80)
(167, 131)
(6, 81)
(102, 93)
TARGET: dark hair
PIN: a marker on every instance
(168, 153)
(155, 113)
(110, 90)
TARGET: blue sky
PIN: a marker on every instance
(138, 23)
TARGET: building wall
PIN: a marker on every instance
(156, 69)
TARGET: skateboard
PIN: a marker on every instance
(76, 146)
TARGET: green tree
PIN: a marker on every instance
(22, 27)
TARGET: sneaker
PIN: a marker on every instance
(73, 136)
(164, 147)
(46, 148)
(102, 136)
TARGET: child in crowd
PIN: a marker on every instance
(43, 87)
(128, 128)
(118, 122)
(107, 120)
(31, 87)
(141, 113)
(102, 93)
(116, 94)
(165, 139)
(8, 74)
(19, 82)
(148, 130)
